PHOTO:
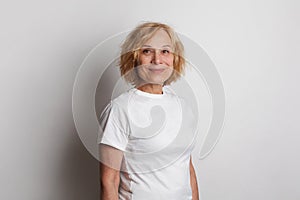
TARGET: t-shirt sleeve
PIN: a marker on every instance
(112, 130)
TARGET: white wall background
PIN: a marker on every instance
(254, 44)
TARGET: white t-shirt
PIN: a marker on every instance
(156, 132)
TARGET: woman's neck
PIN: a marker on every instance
(151, 88)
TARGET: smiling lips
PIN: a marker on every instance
(157, 70)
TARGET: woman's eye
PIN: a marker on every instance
(165, 51)
(146, 51)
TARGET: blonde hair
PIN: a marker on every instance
(136, 38)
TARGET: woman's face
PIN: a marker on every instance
(156, 59)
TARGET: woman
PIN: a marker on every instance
(148, 131)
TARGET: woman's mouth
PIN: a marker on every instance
(156, 70)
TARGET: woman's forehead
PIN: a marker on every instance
(160, 39)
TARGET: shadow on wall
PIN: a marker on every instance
(78, 172)
(110, 85)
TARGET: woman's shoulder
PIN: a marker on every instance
(118, 104)
(171, 93)
(122, 99)
(116, 108)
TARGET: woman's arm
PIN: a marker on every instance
(110, 162)
(193, 179)
(109, 183)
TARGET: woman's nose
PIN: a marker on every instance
(156, 57)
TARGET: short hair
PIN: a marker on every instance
(136, 38)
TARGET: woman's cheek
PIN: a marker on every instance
(170, 61)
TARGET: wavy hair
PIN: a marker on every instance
(129, 58)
